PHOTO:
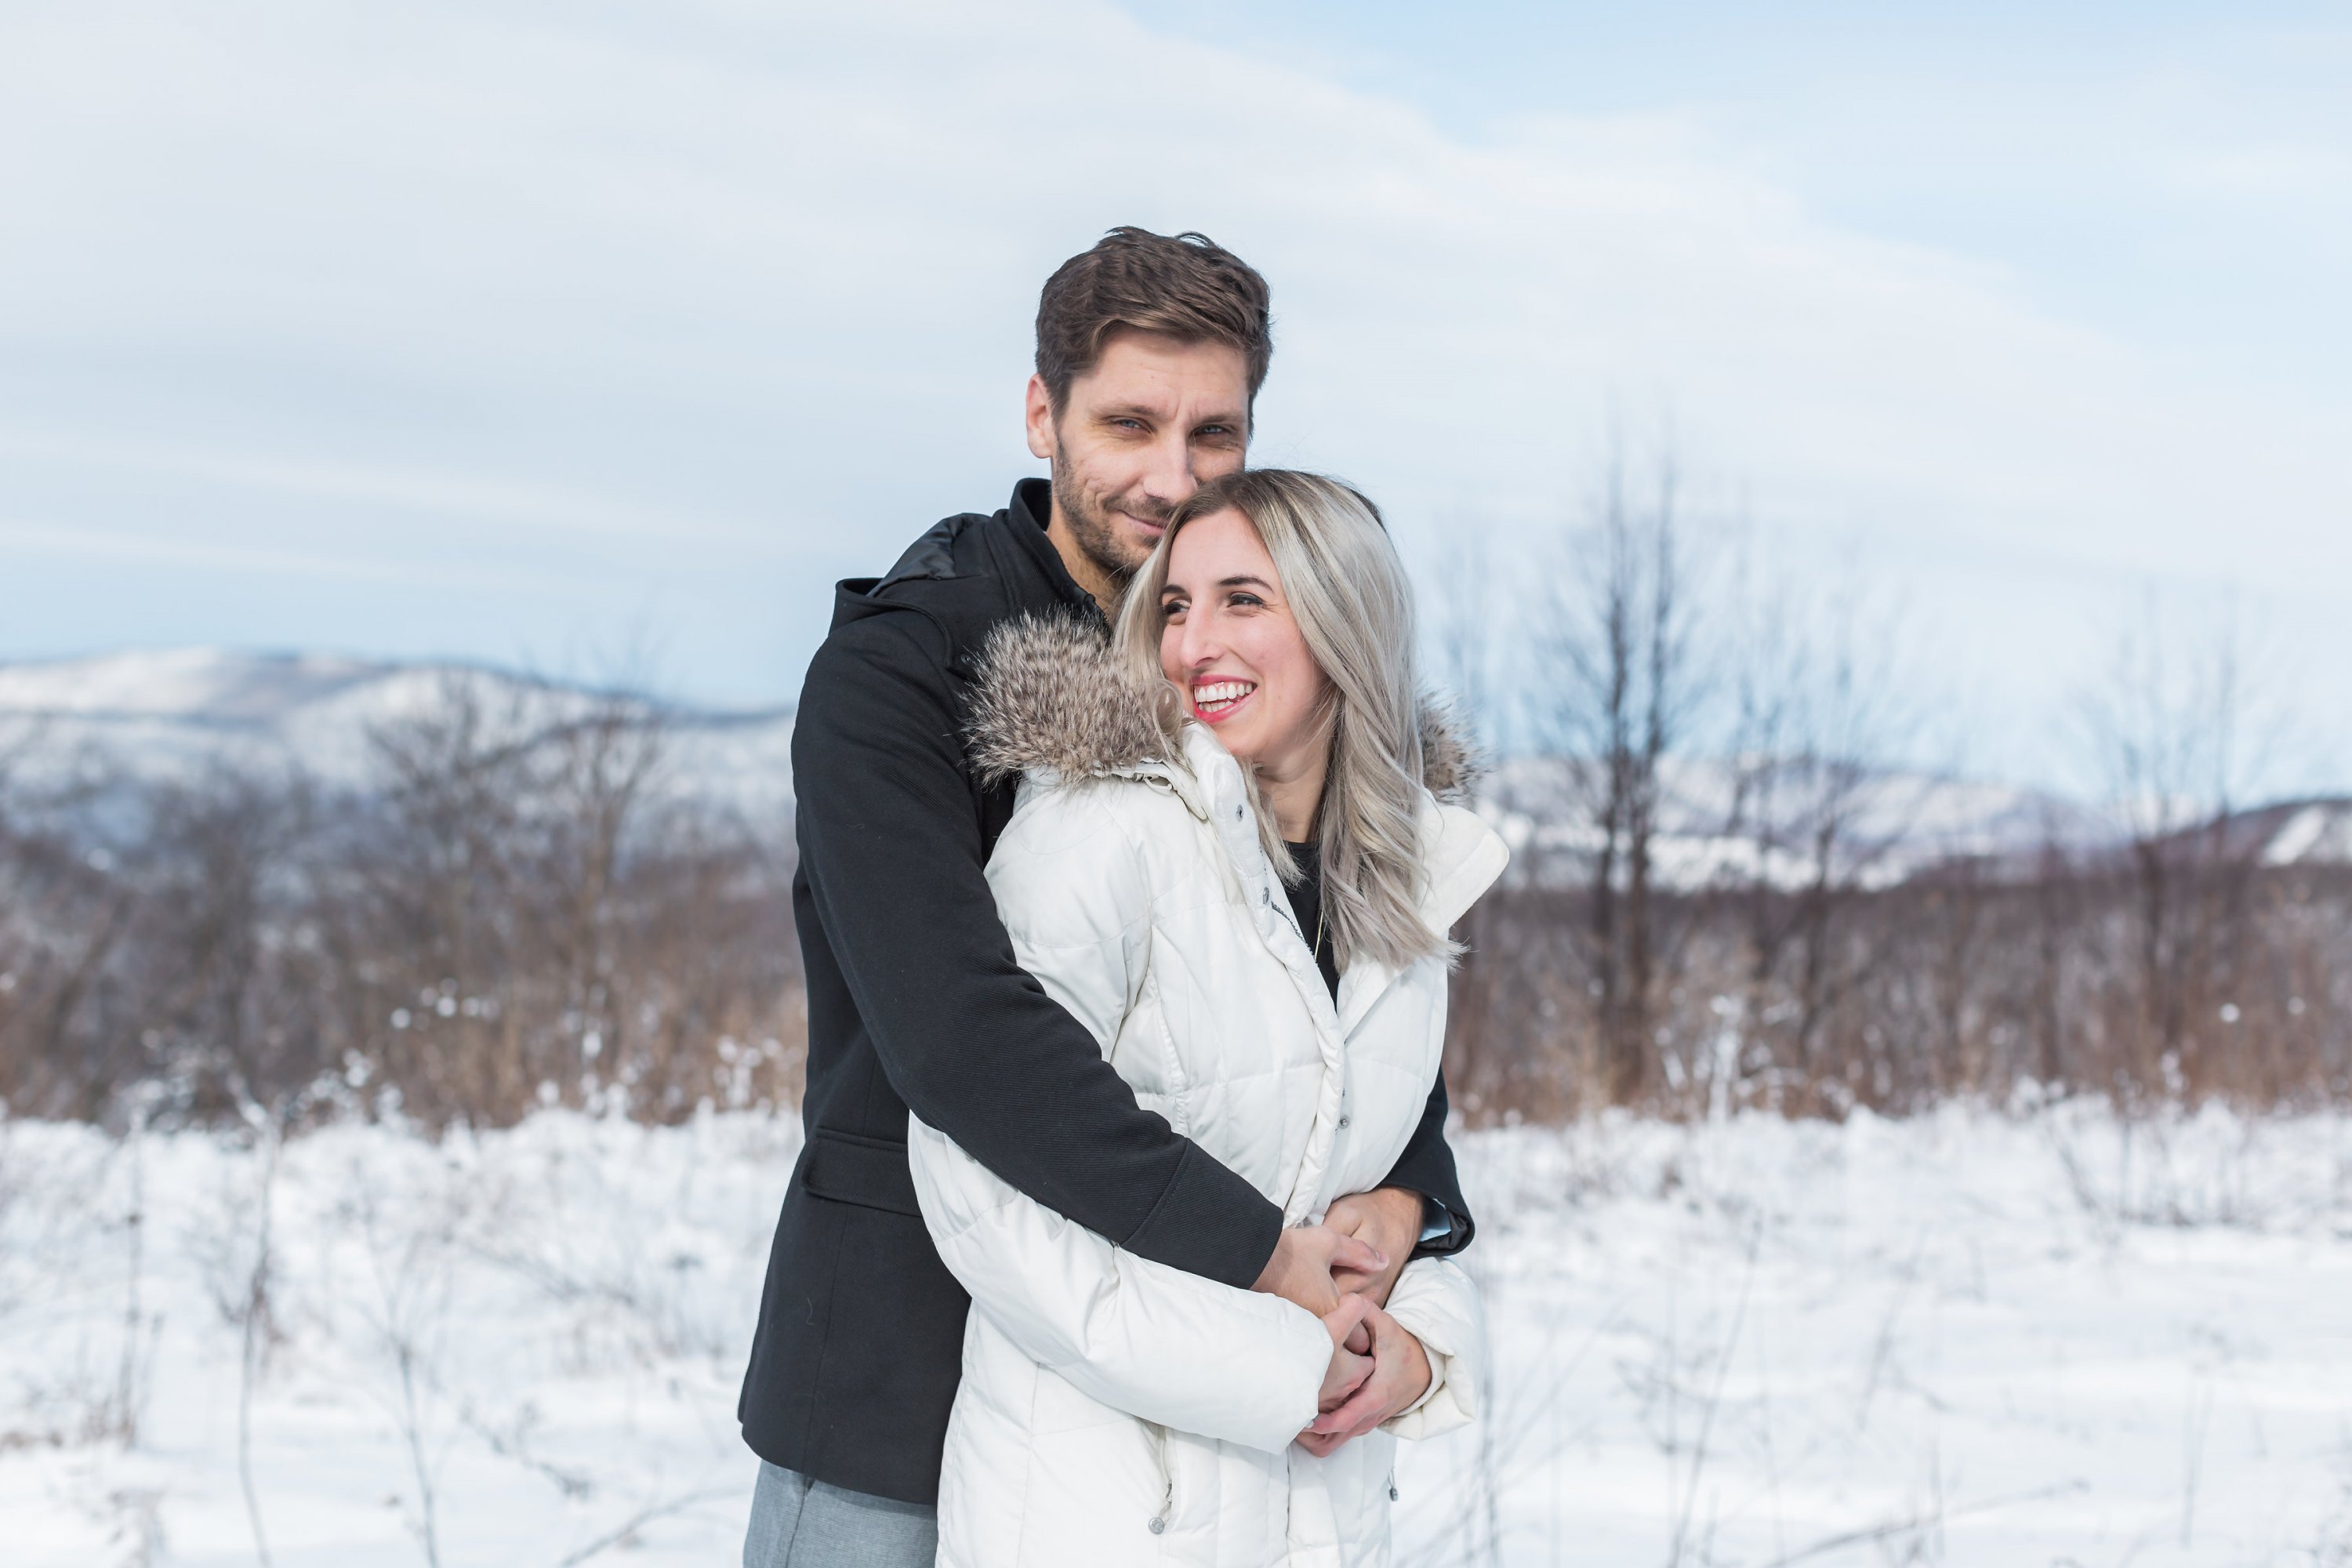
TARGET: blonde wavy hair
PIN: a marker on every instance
(1349, 593)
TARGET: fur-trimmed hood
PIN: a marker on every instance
(1055, 697)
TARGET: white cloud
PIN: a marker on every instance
(413, 488)
(112, 544)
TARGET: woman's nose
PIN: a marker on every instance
(1200, 644)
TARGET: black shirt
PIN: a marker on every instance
(1307, 903)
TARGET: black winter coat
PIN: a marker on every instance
(914, 999)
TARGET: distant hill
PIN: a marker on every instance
(1892, 824)
(160, 713)
(2313, 831)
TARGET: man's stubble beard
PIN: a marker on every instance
(1097, 535)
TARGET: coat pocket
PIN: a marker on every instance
(850, 1168)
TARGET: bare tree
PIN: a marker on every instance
(2177, 738)
(1822, 702)
(1465, 603)
(1618, 688)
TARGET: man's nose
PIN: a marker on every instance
(1168, 475)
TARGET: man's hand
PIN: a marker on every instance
(1307, 1260)
(1387, 1221)
(1401, 1374)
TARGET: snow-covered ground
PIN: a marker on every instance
(1961, 1340)
(1969, 1339)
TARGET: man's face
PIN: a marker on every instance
(1141, 431)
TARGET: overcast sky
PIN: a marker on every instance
(540, 332)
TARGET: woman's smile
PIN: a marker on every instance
(1218, 698)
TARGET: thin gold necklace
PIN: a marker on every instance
(1322, 904)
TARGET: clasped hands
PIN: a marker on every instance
(1343, 1271)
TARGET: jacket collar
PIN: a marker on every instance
(1025, 517)
(1012, 545)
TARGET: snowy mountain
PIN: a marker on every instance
(2289, 833)
(162, 713)
(1891, 825)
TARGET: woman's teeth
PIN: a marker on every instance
(1211, 698)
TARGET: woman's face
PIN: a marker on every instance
(1230, 645)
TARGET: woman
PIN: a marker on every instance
(1228, 862)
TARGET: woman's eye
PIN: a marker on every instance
(1171, 608)
(1239, 600)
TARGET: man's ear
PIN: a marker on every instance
(1039, 412)
(1040, 417)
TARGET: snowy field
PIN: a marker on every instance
(1969, 1339)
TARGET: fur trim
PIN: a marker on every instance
(1052, 695)
(1451, 763)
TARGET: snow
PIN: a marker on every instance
(2319, 833)
(1965, 1339)
(1970, 1339)
(571, 1300)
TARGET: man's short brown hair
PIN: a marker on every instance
(1185, 286)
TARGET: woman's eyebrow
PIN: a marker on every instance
(1246, 582)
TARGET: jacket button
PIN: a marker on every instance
(1159, 1525)
(1343, 1121)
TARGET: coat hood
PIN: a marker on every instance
(1054, 697)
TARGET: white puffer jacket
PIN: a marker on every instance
(1113, 1410)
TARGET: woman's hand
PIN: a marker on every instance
(1400, 1375)
(1347, 1370)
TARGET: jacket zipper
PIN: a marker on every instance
(1167, 1514)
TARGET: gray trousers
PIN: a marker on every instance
(800, 1523)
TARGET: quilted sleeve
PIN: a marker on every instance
(1436, 1302)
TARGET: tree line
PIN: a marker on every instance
(1815, 950)
(512, 908)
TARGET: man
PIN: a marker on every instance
(1150, 351)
